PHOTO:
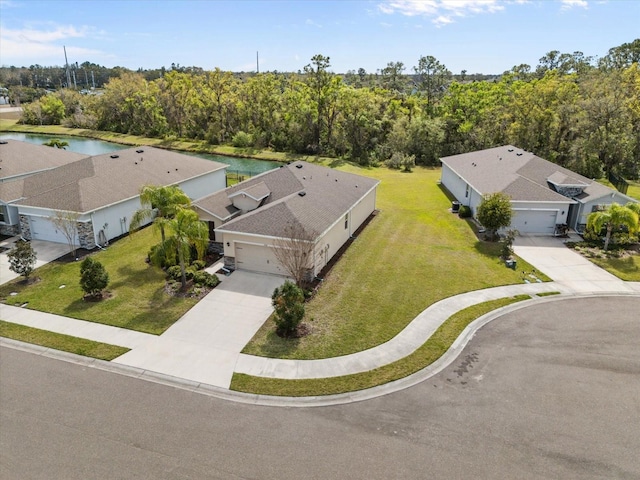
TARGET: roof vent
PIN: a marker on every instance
(509, 149)
(135, 163)
(299, 165)
(3, 142)
(519, 154)
(302, 194)
(115, 156)
(139, 151)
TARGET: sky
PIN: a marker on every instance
(479, 36)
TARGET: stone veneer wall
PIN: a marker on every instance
(25, 227)
(11, 230)
(85, 235)
(230, 263)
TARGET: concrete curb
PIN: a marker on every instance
(316, 401)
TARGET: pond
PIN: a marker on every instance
(89, 146)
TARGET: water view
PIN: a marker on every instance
(89, 146)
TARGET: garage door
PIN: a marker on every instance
(43, 229)
(534, 221)
(257, 258)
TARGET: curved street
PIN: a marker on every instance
(548, 391)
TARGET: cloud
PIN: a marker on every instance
(312, 23)
(43, 45)
(442, 12)
(569, 4)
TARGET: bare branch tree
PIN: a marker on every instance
(67, 223)
(294, 250)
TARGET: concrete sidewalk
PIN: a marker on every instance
(71, 326)
(400, 346)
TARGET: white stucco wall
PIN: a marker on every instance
(204, 185)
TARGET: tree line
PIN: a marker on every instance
(570, 109)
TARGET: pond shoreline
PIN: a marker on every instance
(192, 146)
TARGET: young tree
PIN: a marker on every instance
(164, 202)
(613, 218)
(22, 258)
(494, 213)
(186, 230)
(294, 251)
(93, 277)
(288, 303)
(67, 223)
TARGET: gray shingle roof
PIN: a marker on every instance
(20, 158)
(328, 195)
(95, 182)
(521, 175)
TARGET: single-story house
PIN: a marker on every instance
(103, 190)
(251, 219)
(543, 194)
(21, 159)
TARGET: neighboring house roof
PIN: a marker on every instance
(523, 176)
(301, 193)
(95, 182)
(18, 159)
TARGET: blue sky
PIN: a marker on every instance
(480, 36)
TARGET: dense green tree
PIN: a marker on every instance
(494, 213)
(432, 80)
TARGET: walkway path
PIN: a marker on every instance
(204, 345)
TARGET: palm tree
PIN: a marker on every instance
(163, 202)
(54, 142)
(186, 230)
(614, 217)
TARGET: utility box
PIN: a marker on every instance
(455, 207)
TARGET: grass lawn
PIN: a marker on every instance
(634, 190)
(425, 355)
(414, 253)
(138, 300)
(66, 343)
(627, 268)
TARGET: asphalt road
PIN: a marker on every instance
(551, 391)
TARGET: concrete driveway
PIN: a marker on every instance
(552, 257)
(204, 345)
(45, 251)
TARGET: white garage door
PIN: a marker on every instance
(43, 229)
(534, 221)
(257, 258)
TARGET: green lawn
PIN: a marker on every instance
(627, 268)
(634, 190)
(425, 355)
(138, 300)
(66, 343)
(414, 253)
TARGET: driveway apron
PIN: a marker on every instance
(204, 345)
(552, 257)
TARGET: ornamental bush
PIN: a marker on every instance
(288, 303)
(93, 277)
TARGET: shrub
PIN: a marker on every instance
(205, 279)
(22, 258)
(242, 140)
(198, 264)
(494, 212)
(93, 277)
(465, 212)
(288, 303)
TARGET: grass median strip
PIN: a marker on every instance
(58, 341)
(424, 356)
